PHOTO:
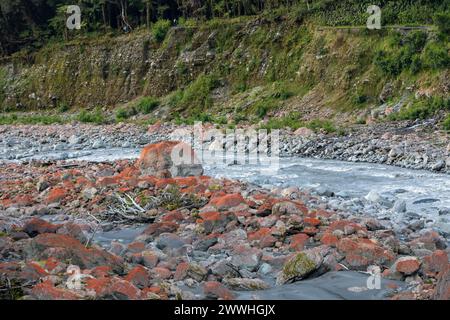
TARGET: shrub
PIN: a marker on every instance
(290, 121)
(30, 119)
(446, 123)
(122, 114)
(95, 116)
(282, 91)
(422, 109)
(416, 64)
(63, 107)
(147, 105)
(261, 109)
(416, 40)
(360, 99)
(442, 20)
(436, 56)
(198, 93)
(263, 106)
(318, 125)
(389, 64)
(160, 29)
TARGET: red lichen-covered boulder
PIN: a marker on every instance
(361, 253)
(37, 226)
(47, 291)
(216, 220)
(435, 263)
(56, 195)
(228, 201)
(64, 248)
(407, 265)
(155, 229)
(169, 159)
(442, 290)
(215, 290)
(113, 289)
(139, 276)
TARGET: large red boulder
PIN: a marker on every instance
(37, 226)
(228, 202)
(442, 291)
(215, 290)
(67, 248)
(47, 291)
(361, 253)
(169, 159)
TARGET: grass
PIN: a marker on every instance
(446, 123)
(196, 97)
(294, 122)
(144, 106)
(11, 119)
(95, 116)
(124, 114)
(147, 105)
(160, 29)
(200, 117)
(422, 109)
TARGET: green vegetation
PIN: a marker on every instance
(446, 123)
(124, 113)
(45, 21)
(30, 119)
(196, 96)
(95, 116)
(144, 106)
(293, 121)
(63, 107)
(160, 29)
(436, 56)
(254, 68)
(422, 109)
(442, 21)
(318, 125)
(413, 53)
(199, 117)
(147, 105)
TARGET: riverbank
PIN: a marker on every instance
(414, 145)
(135, 236)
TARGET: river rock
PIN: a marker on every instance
(399, 206)
(438, 166)
(89, 193)
(442, 291)
(169, 159)
(73, 140)
(245, 284)
(406, 265)
(64, 247)
(304, 132)
(300, 266)
(216, 290)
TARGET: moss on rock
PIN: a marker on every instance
(298, 267)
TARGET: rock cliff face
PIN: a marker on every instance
(286, 65)
(107, 72)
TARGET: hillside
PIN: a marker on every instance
(278, 67)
